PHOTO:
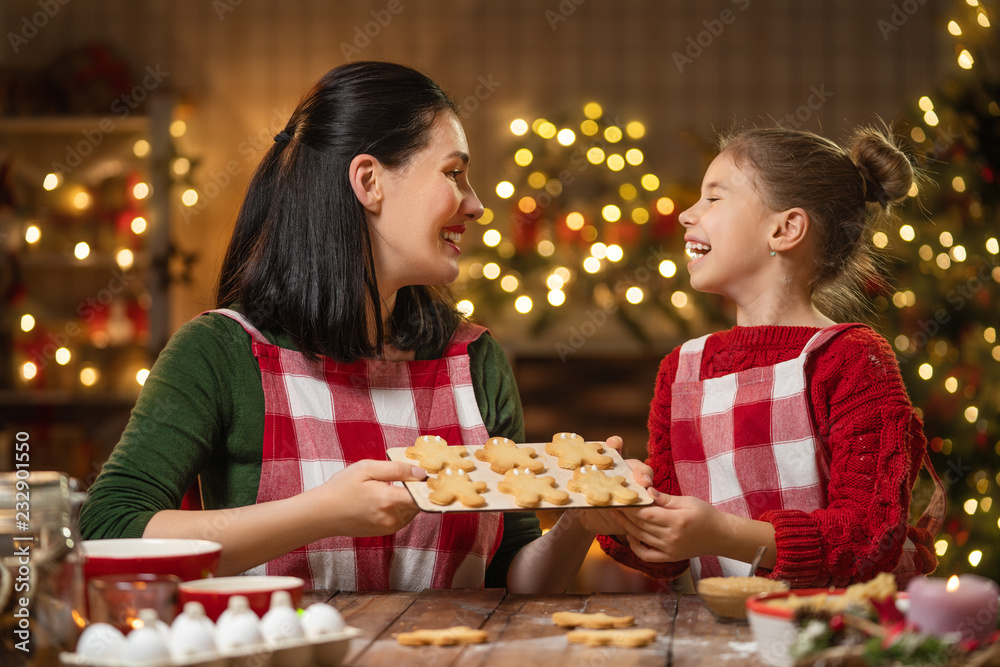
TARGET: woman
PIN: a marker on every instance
(329, 344)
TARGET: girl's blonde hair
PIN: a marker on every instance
(845, 191)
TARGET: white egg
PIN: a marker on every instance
(321, 619)
(100, 640)
(238, 626)
(281, 622)
(192, 633)
(145, 646)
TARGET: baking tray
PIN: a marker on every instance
(504, 502)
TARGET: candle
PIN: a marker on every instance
(966, 604)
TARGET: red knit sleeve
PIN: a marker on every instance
(875, 442)
(660, 459)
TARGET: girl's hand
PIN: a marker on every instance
(359, 501)
(607, 521)
(675, 528)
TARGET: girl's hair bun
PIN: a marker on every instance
(887, 171)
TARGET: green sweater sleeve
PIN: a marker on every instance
(201, 411)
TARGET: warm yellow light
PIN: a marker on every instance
(591, 265)
(951, 385)
(491, 271)
(941, 547)
(611, 213)
(28, 370)
(926, 253)
(667, 269)
(178, 128)
(82, 250)
(679, 299)
(958, 253)
(557, 297)
(965, 60)
(140, 191)
(63, 356)
(925, 371)
(88, 376)
(902, 342)
(649, 182)
(899, 300)
(523, 304)
(592, 110)
(491, 237)
(599, 250)
(27, 322)
(141, 376)
(508, 283)
(563, 273)
(189, 197)
(925, 103)
(537, 180)
(627, 192)
(124, 258)
(527, 204)
(985, 504)
(640, 216)
(595, 155)
(907, 233)
(931, 118)
(81, 200)
(589, 233)
(954, 28)
(50, 182)
(616, 162)
(138, 224)
(918, 135)
(615, 252)
(575, 221)
(972, 3)
(181, 166)
(992, 246)
(523, 157)
(983, 20)
(975, 557)
(635, 130)
(589, 127)
(943, 261)
(519, 126)
(958, 183)
(140, 148)
(32, 234)
(566, 136)
(665, 205)
(880, 240)
(913, 191)
(487, 217)
(633, 156)
(971, 414)
(546, 130)
(505, 189)
(613, 134)
(634, 295)
(996, 353)
(990, 335)
(546, 248)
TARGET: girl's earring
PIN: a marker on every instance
(773, 253)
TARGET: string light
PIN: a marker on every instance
(88, 376)
(575, 221)
(181, 166)
(965, 60)
(51, 181)
(523, 157)
(592, 110)
(63, 356)
(140, 148)
(508, 283)
(667, 269)
(557, 297)
(178, 128)
(505, 189)
(491, 237)
(29, 370)
(679, 299)
(138, 225)
(82, 250)
(189, 197)
(27, 322)
(518, 127)
(931, 118)
(992, 246)
(599, 250)
(613, 134)
(983, 20)
(566, 137)
(491, 271)
(941, 547)
(907, 233)
(589, 127)
(971, 414)
(615, 253)
(140, 191)
(634, 156)
(546, 130)
(975, 557)
(634, 295)
(141, 376)
(595, 155)
(925, 371)
(523, 304)
(640, 216)
(546, 248)
(616, 162)
(32, 234)
(487, 216)
(591, 265)
(970, 506)
(611, 213)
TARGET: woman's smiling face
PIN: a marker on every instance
(425, 206)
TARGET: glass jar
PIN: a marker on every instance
(41, 579)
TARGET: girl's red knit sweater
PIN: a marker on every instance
(875, 442)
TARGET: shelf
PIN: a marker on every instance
(96, 260)
(71, 124)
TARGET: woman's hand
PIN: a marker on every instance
(359, 501)
(674, 528)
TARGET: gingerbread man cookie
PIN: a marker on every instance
(459, 634)
(433, 453)
(503, 454)
(593, 621)
(529, 491)
(450, 486)
(628, 638)
(573, 451)
(599, 488)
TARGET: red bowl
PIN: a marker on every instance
(214, 594)
(187, 559)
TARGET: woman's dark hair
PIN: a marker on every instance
(300, 257)
(844, 191)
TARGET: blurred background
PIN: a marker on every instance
(129, 130)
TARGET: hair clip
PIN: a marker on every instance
(282, 137)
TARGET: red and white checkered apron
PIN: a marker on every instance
(745, 443)
(319, 417)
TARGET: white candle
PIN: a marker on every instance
(966, 604)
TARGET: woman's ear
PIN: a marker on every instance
(790, 230)
(364, 174)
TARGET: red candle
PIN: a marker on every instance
(966, 604)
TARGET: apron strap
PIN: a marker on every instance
(933, 517)
(689, 360)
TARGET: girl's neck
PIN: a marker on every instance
(772, 309)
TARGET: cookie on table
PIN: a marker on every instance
(573, 451)
(433, 454)
(599, 488)
(626, 638)
(529, 491)
(503, 454)
(591, 620)
(450, 486)
(459, 634)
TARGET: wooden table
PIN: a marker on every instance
(521, 632)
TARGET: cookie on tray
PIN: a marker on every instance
(433, 454)
(573, 451)
(503, 454)
(451, 485)
(599, 488)
(529, 491)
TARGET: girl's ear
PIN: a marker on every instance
(365, 176)
(790, 230)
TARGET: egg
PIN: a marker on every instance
(321, 619)
(147, 644)
(281, 622)
(101, 641)
(238, 627)
(192, 633)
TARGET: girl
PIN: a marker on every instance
(329, 344)
(788, 431)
